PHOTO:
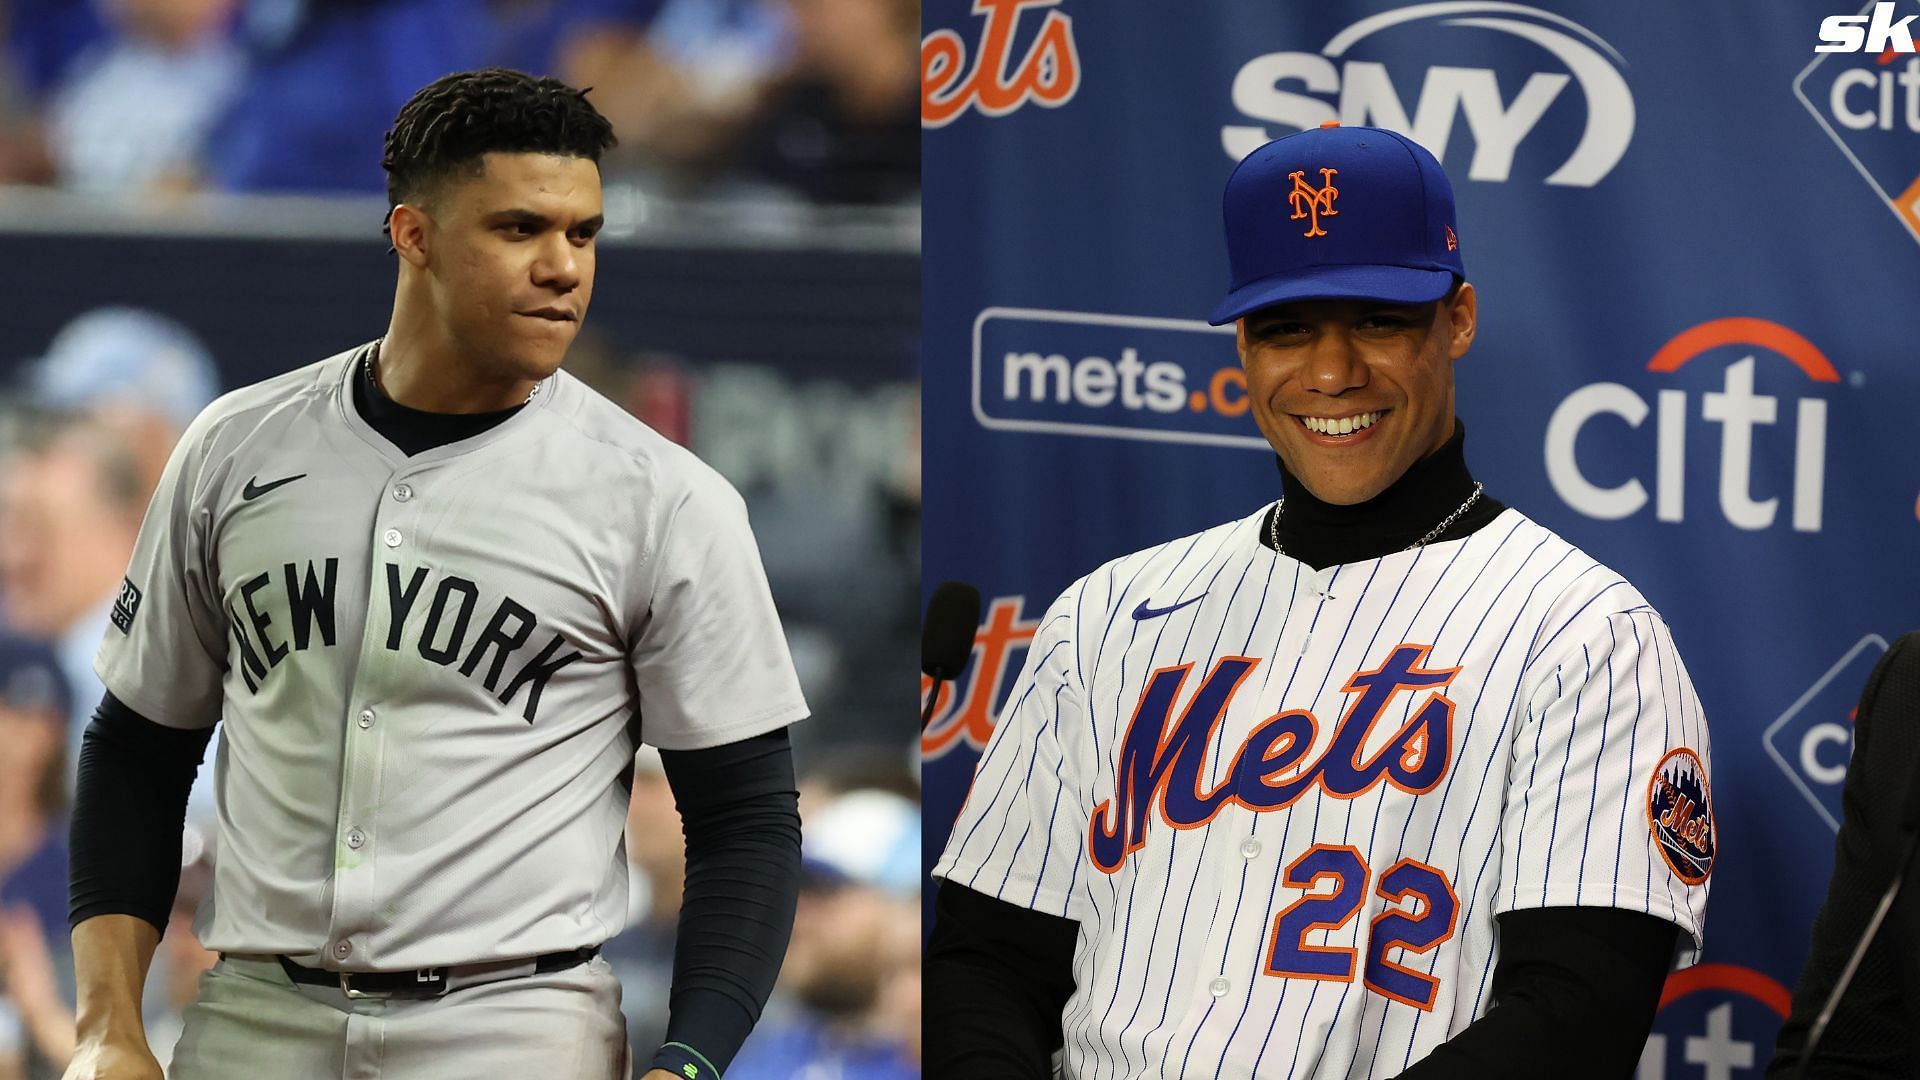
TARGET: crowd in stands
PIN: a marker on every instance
(84, 431)
(142, 100)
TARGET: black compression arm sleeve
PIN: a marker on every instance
(997, 977)
(1576, 988)
(130, 802)
(740, 810)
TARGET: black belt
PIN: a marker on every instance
(432, 982)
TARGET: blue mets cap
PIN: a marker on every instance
(30, 677)
(1338, 213)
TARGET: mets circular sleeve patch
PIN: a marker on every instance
(1680, 811)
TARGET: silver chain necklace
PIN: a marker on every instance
(1273, 525)
(375, 383)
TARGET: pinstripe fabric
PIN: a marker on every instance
(1568, 694)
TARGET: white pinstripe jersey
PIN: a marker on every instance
(429, 668)
(1285, 806)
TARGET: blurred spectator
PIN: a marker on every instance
(843, 126)
(677, 80)
(70, 507)
(36, 1022)
(327, 77)
(142, 374)
(133, 113)
(854, 961)
(128, 383)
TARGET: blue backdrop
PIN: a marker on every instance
(1697, 248)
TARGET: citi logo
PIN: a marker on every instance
(1298, 90)
(1047, 76)
(1874, 33)
(1742, 415)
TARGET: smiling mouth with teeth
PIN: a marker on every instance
(1346, 426)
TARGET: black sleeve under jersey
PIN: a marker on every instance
(130, 802)
(1576, 988)
(740, 811)
(1574, 995)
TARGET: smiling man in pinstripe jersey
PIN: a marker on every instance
(1383, 779)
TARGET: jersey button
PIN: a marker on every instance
(1250, 848)
(366, 718)
(356, 838)
(392, 537)
(402, 492)
(342, 950)
(1219, 987)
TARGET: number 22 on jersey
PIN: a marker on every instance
(1421, 930)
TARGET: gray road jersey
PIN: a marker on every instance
(433, 670)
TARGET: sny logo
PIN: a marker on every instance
(1310, 202)
(1844, 33)
(1164, 766)
(1300, 90)
(1047, 76)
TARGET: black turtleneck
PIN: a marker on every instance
(1575, 986)
(1322, 534)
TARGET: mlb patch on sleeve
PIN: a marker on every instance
(126, 605)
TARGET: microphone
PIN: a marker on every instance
(946, 637)
(1909, 823)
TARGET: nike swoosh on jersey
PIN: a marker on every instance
(1145, 612)
(254, 490)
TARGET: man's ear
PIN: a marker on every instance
(1463, 311)
(408, 228)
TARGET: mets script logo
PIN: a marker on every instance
(1309, 202)
(1682, 815)
(1163, 765)
(1048, 74)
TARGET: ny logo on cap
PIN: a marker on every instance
(1309, 202)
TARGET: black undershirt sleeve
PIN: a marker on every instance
(739, 808)
(1575, 987)
(130, 803)
(996, 978)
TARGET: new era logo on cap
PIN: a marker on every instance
(1336, 212)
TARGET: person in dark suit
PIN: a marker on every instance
(1875, 1031)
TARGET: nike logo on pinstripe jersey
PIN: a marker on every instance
(1145, 612)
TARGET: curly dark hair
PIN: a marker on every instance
(446, 129)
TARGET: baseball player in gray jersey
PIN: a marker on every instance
(437, 591)
(1380, 780)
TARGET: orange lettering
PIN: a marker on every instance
(972, 720)
(1048, 74)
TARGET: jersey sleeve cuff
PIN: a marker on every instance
(1656, 904)
(1015, 889)
(758, 724)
